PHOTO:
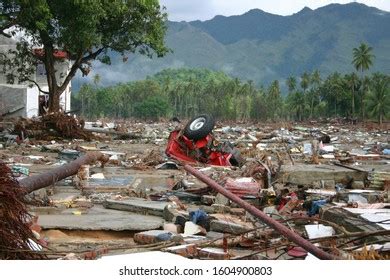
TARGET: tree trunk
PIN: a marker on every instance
(82, 105)
(362, 95)
(353, 102)
(54, 101)
(54, 93)
(311, 106)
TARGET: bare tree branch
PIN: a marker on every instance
(39, 88)
(77, 65)
(92, 55)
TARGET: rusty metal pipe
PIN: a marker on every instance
(282, 229)
(46, 179)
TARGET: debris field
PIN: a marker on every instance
(72, 189)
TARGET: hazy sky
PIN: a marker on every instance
(206, 9)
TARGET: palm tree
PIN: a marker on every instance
(378, 99)
(96, 79)
(362, 60)
(316, 82)
(305, 81)
(291, 83)
(334, 89)
(297, 104)
(274, 99)
(352, 82)
(84, 93)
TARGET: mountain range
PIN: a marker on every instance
(263, 47)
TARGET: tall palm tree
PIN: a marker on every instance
(274, 99)
(316, 82)
(352, 81)
(305, 81)
(291, 84)
(362, 60)
(297, 104)
(335, 90)
(378, 99)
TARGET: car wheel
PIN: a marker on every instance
(199, 127)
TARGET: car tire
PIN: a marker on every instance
(199, 127)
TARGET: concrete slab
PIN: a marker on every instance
(97, 218)
(227, 227)
(112, 182)
(352, 222)
(319, 230)
(306, 174)
(145, 207)
(380, 217)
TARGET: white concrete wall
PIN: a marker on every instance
(32, 102)
(65, 99)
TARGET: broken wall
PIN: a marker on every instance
(19, 101)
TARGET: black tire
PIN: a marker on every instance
(199, 127)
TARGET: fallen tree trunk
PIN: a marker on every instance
(37, 182)
(282, 229)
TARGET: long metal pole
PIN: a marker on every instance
(282, 229)
(43, 180)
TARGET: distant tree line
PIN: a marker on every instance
(187, 92)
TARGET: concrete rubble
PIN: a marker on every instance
(327, 183)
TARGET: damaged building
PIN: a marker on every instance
(25, 100)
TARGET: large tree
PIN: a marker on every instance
(84, 30)
(362, 60)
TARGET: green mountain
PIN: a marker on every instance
(263, 47)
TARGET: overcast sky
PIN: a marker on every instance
(206, 9)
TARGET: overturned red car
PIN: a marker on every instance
(196, 143)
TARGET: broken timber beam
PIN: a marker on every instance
(39, 181)
(282, 229)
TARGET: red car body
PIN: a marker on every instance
(203, 150)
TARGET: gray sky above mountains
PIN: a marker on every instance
(189, 10)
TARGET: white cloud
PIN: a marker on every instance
(206, 9)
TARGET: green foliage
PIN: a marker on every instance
(188, 92)
(291, 84)
(305, 81)
(362, 57)
(274, 101)
(362, 60)
(378, 99)
(151, 108)
(296, 104)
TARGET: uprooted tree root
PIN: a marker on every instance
(16, 236)
(51, 126)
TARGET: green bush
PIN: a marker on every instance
(152, 108)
